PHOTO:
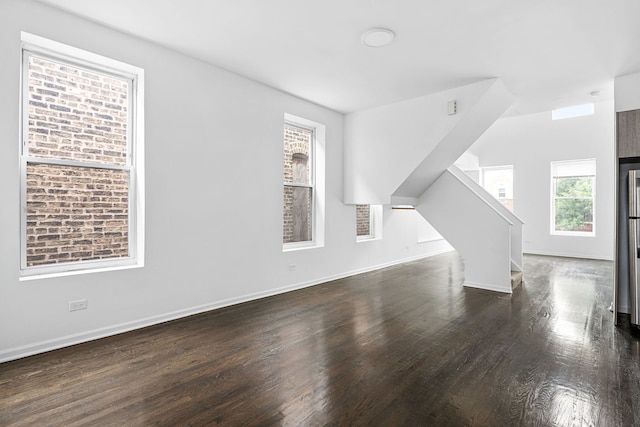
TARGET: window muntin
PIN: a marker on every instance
(573, 197)
(299, 177)
(81, 124)
(502, 192)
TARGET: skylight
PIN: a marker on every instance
(573, 111)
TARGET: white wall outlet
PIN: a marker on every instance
(292, 267)
(78, 305)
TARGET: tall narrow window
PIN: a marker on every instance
(498, 180)
(303, 176)
(80, 160)
(298, 184)
(573, 197)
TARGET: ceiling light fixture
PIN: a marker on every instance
(377, 37)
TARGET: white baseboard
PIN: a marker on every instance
(69, 340)
(570, 255)
(488, 287)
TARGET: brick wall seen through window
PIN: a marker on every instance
(77, 163)
(363, 220)
(298, 184)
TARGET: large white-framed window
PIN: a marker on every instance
(573, 195)
(368, 222)
(303, 183)
(81, 161)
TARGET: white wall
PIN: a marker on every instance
(205, 128)
(530, 143)
(627, 92)
(468, 162)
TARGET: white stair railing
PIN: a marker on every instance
(482, 233)
(516, 230)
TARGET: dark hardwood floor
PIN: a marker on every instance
(403, 346)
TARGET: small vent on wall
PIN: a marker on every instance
(452, 107)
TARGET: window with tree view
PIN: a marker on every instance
(573, 203)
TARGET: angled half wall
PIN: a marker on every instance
(486, 234)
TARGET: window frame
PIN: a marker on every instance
(316, 172)
(36, 46)
(312, 180)
(483, 182)
(375, 224)
(554, 176)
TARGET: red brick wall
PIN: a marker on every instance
(76, 213)
(363, 220)
(297, 222)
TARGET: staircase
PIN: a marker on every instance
(486, 234)
(404, 154)
(516, 279)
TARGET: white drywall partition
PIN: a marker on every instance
(474, 228)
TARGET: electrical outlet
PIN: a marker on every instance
(292, 267)
(78, 305)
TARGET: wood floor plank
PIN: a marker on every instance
(403, 346)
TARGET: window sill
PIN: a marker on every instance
(291, 247)
(573, 233)
(34, 275)
(360, 239)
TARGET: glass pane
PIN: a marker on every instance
(76, 214)
(297, 155)
(574, 215)
(76, 114)
(297, 214)
(363, 220)
(499, 182)
(574, 187)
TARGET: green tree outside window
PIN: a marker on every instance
(573, 203)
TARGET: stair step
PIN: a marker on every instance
(516, 279)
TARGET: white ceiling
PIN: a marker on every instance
(549, 53)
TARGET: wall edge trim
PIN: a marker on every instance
(488, 287)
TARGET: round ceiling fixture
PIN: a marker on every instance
(378, 37)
